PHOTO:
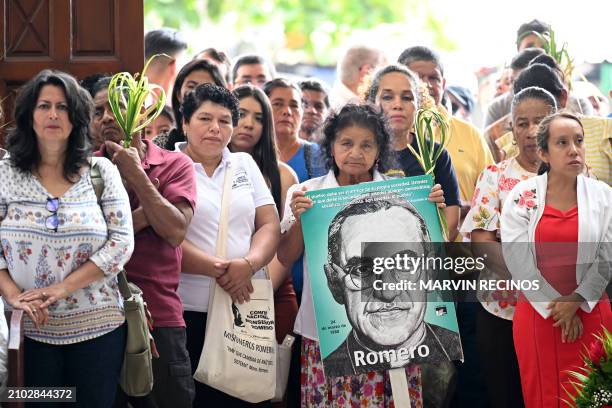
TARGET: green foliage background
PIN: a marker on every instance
(337, 19)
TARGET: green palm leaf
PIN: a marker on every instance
(424, 127)
(560, 55)
(127, 98)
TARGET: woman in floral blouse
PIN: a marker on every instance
(498, 359)
(61, 249)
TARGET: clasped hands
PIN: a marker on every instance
(234, 276)
(563, 311)
(36, 302)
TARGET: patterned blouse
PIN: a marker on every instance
(492, 188)
(37, 256)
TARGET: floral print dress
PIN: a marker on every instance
(492, 188)
(371, 390)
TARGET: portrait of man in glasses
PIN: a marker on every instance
(388, 326)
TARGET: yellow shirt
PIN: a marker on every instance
(597, 137)
(469, 154)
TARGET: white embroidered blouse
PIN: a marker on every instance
(37, 256)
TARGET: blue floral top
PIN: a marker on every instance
(37, 256)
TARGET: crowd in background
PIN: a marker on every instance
(539, 171)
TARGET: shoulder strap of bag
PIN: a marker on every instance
(124, 288)
(221, 247)
(96, 178)
(221, 251)
(98, 185)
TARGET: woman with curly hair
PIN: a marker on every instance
(395, 89)
(356, 144)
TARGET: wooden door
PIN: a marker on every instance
(81, 37)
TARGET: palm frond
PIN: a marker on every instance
(127, 96)
(426, 122)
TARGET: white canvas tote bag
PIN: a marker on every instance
(239, 353)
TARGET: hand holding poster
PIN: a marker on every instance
(367, 247)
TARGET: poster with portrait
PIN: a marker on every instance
(374, 256)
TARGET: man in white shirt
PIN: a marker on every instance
(356, 64)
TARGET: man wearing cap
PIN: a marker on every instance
(527, 34)
(462, 101)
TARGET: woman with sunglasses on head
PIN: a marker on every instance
(61, 248)
(356, 144)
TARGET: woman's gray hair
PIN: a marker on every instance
(534, 92)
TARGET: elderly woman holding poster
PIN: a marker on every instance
(356, 144)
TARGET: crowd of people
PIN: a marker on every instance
(538, 172)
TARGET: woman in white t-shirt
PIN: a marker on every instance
(209, 115)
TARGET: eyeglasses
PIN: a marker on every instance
(360, 272)
(52, 221)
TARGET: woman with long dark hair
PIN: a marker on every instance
(255, 135)
(194, 73)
